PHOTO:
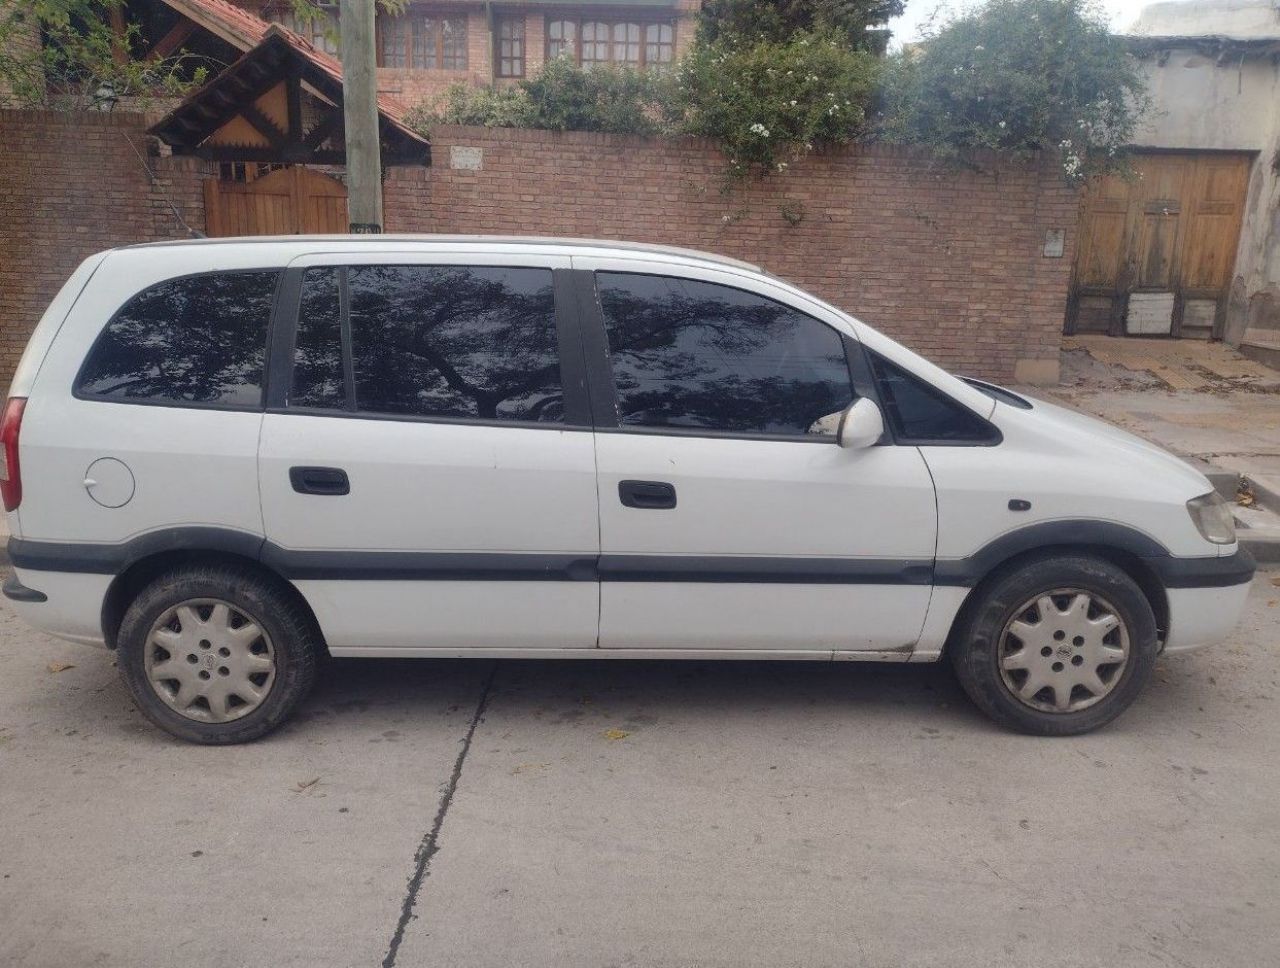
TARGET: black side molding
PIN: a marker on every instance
(111, 559)
(427, 565)
(762, 569)
(970, 570)
(15, 591)
(1173, 571)
(1205, 572)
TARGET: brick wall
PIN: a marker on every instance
(71, 185)
(950, 262)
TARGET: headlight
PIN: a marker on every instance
(1212, 516)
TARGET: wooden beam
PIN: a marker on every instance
(214, 24)
(264, 126)
(323, 129)
(119, 52)
(168, 45)
(293, 96)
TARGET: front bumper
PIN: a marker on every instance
(1206, 597)
(1222, 572)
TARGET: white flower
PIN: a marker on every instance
(979, 47)
(759, 129)
(793, 103)
(1003, 125)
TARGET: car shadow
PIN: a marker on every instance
(648, 688)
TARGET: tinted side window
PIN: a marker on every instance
(455, 341)
(199, 339)
(920, 413)
(317, 355)
(695, 354)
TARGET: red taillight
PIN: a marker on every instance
(10, 472)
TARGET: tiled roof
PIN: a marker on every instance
(233, 24)
(279, 53)
(246, 30)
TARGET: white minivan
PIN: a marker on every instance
(225, 458)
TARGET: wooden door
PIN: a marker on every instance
(289, 201)
(1156, 250)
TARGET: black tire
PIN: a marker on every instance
(295, 642)
(975, 646)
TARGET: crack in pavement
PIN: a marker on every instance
(431, 841)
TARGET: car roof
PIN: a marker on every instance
(593, 247)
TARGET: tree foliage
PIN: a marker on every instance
(768, 100)
(857, 24)
(61, 54)
(561, 97)
(1020, 76)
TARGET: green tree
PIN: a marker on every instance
(1020, 76)
(860, 24)
(561, 97)
(767, 101)
(61, 53)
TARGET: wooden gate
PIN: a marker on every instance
(1156, 251)
(288, 201)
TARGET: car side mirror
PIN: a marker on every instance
(861, 425)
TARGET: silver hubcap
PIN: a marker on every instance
(1063, 651)
(210, 661)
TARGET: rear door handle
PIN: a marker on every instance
(648, 495)
(320, 480)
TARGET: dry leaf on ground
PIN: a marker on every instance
(56, 666)
(616, 734)
(306, 784)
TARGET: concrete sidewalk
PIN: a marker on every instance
(1200, 400)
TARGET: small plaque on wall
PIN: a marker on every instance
(466, 159)
(1055, 243)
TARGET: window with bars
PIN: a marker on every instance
(423, 41)
(510, 46)
(623, 43)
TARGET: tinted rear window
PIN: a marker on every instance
(455, 341)
(199, 339)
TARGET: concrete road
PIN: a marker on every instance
(643, 814)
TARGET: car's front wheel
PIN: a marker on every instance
(1056, 645)
(217, 654)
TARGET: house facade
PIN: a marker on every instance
(430, 46)
(1191, 246)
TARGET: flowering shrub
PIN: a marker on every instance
(1020, 76)
(859, 24)
(767, 101)
(561, 97)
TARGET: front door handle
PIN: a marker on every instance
(649, 495)
(320, 480)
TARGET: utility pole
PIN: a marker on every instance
(360, 115)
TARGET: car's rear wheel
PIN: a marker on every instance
(217, 654)
(1056, 645)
